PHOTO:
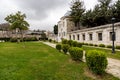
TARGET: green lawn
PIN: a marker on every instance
(108, 52)
(36, 61)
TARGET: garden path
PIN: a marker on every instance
(113, 64)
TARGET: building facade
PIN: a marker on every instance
(96, 35)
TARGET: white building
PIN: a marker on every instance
(96, 35)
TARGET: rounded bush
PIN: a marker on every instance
(70, 42)
(109, 46)
(117, 47)
(101, 45)
(95, 45)
(50, 40)
(90, 44)
(76, 53)
(96, 61)
(79, 45)
(59, 47)
(64, 41)
(65, 48)
(74, 43)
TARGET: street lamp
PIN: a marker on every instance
(113, 35)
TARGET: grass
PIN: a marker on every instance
(37, 61)
(107, 51)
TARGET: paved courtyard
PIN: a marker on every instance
(113, 64)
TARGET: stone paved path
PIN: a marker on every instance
(113, 64)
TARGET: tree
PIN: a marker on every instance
(77, 10)
(116, 11)
(56, 29)
(17, 22)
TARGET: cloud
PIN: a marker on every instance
(41, 14)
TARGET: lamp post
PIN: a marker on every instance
(113, 35)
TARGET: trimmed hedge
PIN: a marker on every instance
(76, 53)
(109, 46)
(96, 61)
(95, 45)
(90, 44)
(117, 47)
(70, 42)
(59, 47)
(79, 45)
(64, 41)
(74, 43)
(65, 48)
(101, 45)
(50, 40)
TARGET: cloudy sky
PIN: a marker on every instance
(41, 14)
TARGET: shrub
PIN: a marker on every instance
(74, 43)
(90, 44)
(59, 47)
(79, 45)
(117, 47)
(76, 53)
(101, 45)
(13, 40)
(109, 46)
(85, 43)
(30, 39)
(96, 61)
(64, 41)
(70, 42)
(95, 45)
(50, 40)
(65, 48)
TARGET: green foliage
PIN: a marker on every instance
(101, 45)
(64, 41)
(70, 42)
(95, 45)
(17, 21)
(79, 44)
(30, 39)
(59, 47)
(74, 43)
(76, 53)
(109, 46)
(77, 9)
(50, 40)
(96, 61)
(13, 40)
(65, 48)
(117, 47)
(90, 44)
(5, 39)
(85, 43)
(55, 29)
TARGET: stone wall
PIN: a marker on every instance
(105, 30)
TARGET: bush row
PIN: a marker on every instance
(95, 60)
(100, 45)
(24, 39)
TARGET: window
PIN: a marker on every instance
(83, 36)
(73, 37)
(70, 37)
(78, 37)
(90, 37)
(100, 36)
(111, 38)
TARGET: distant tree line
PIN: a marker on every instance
(101, 14)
